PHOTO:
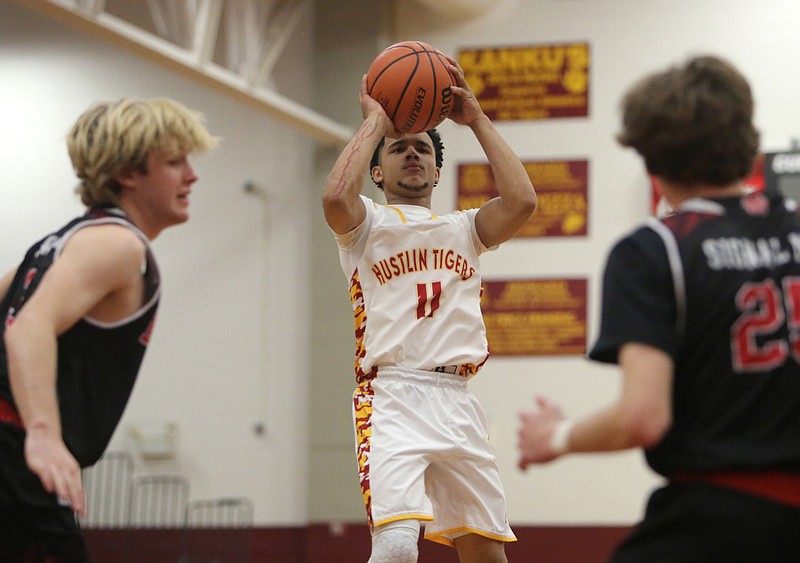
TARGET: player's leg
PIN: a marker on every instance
(465, 489)
(473, 548)
(33, 527)
(396, 542)
(698, 523)
(391, 444)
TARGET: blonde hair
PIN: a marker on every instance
(114, 136)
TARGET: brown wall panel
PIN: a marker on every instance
(340, 544)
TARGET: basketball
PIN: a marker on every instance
(412, 82)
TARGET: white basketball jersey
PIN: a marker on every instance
(415, 286)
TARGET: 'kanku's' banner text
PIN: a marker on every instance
(529, 82)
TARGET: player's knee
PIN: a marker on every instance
(395, 542)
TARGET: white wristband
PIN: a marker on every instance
(559, 439)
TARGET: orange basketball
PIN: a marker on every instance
(411, 81)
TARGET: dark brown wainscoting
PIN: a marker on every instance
(340, 544)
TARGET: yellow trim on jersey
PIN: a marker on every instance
(359, 324)
(440, 537)
(402, 215)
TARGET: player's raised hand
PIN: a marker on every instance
(466, 108)
(370, 106)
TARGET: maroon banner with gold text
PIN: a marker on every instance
(561, 186)
(529, 82)
(535, 317)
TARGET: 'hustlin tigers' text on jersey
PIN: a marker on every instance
(415, 286)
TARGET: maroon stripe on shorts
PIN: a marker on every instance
(9, 414)
(780, 486)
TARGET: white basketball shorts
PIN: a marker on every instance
(424, 454)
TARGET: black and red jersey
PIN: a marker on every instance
(717, 287)
(97, 362)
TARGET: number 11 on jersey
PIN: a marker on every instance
(428, 295)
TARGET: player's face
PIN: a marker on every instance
(408, 165)
(163, 190)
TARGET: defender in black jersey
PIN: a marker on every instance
(77, 315)
(701, 310)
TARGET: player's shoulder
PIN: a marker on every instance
(647, 242)
(112, 239)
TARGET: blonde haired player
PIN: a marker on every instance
(415, 285)
(77, 316)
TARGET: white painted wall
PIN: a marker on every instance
(236, 334)
(627, 39)
(230, 345)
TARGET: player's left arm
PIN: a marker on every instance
(500, 218)
(639, 418)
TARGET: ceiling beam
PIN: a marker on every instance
(460, 8)
(193, 65)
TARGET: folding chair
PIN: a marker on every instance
(158, 501)
(107, 485)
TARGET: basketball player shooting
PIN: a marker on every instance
(415, 284)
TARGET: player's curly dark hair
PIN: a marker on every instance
(438, 150)
(692, 123)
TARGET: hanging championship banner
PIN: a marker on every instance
(529, 82)
(535, 317)
(561, 187)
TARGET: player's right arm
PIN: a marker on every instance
(639, 418)
(341, 203)
(499, 219)
(98, 271)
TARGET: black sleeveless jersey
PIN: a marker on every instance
(717, 287)
(97, 362)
